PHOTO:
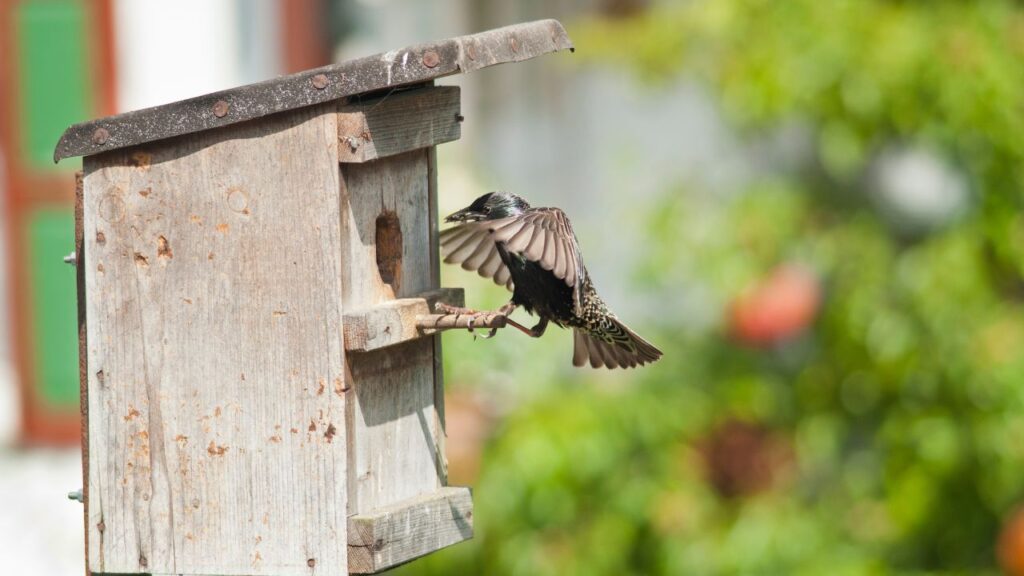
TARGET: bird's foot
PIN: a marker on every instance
(473, 316)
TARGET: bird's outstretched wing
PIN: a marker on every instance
(541, 235)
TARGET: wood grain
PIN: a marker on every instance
(393, 453)
(394, 322)
(215, 352)
(408, 530)
(398, 122)
(435, 279)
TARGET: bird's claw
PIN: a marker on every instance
(472, 319)
(474, 315)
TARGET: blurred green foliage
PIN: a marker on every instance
(889, 437)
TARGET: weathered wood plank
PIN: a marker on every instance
(393, 322)
(83, 365)
(435, 280)
(398, 123)
(393, 452)
(215, 352)
(407, 66)
(407, 530)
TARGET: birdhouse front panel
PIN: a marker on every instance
(386, 208)
(216, 375)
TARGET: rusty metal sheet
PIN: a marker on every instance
(402, 67)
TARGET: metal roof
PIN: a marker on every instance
(411, 65)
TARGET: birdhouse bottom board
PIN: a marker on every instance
(230, 428)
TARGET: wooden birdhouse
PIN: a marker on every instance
(254, 267)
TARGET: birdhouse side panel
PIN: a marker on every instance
(215, 352)
(393, 428)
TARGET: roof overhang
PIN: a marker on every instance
(411, 65)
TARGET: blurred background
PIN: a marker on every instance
(812, 206)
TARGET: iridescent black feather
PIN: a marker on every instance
(534, 252)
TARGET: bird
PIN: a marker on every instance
(534, 253)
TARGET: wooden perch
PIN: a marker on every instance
(404, 319)
(431, 323)
(393, 322)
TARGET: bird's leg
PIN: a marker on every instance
(534, 332)
(504, 311)
(538, 330)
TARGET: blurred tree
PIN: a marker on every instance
(885, 436)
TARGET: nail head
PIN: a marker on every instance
(100, 136)
(431, 59)
(220, 109)
(320, 81)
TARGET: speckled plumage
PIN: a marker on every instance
(534, 252)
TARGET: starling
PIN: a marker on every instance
(534, 253)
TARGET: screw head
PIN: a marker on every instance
(220, 109)
(71, 259)
(320, 81)
(431, 59)
(76, 495)
(100, 136)
(513, 43)
(471, 51)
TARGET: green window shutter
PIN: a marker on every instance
(53, 74)
(51, 236)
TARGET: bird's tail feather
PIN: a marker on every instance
(615, 347)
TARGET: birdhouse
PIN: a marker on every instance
(255, 267)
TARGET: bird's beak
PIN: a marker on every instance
(465, 215)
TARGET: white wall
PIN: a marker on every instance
(167, 51)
